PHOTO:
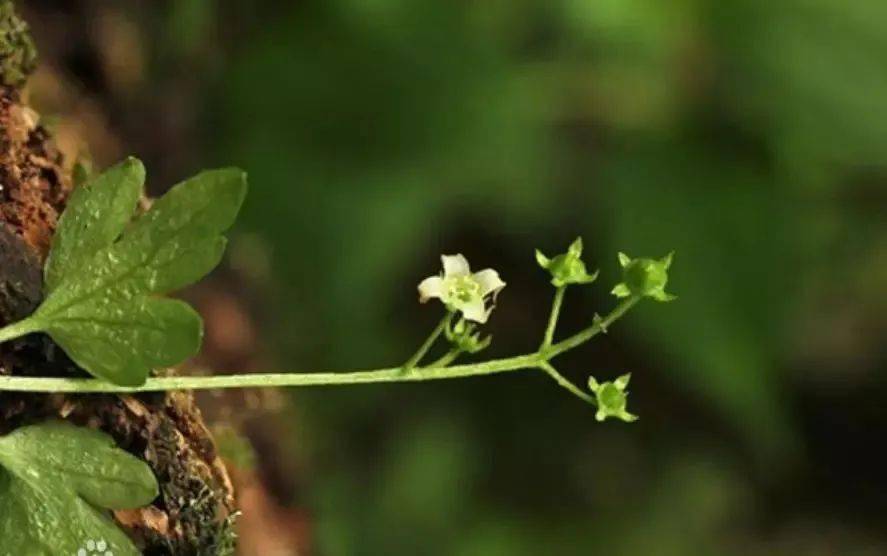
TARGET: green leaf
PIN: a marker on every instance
(91, 464)
(96, 214)
(174, 244)
(99, 307)
(178, 241)
(55, 479)
(120, 341)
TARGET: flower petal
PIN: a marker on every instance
(489, 281)
(455, 265)
(430, 287)
(475, 310)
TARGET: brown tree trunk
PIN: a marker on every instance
(194, 512)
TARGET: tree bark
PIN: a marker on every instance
(195, 510)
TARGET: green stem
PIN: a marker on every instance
(17, 330)
(561, 380)
(529, 361)
(552, 318)
(446, 359)
(91, 385)
(423, 349)
(588, 333)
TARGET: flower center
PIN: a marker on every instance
(462, 289)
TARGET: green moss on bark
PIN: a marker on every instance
(18, 55)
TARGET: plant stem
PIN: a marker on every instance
(446, 359)
(537, 360)
(561, 380)
(552, 318)
(17, 330)
(423, 349)
(73, 385)
(588, 333)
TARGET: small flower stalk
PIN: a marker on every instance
(460, 290)
(567, 268)
(612, 398)
(644, 278)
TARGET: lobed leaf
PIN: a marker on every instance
(174, 244)
(121, 341)
(101, 273)
(54, 479)
(96, 215)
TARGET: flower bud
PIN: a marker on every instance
(464, 338)
(567, 268)
(644, 277)
(611, 398)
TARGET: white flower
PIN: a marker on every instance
(460, 290)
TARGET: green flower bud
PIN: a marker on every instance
(644, 277)
(612, 398)
(567, 268)
(463, 337)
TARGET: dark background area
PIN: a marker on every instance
(747, 136)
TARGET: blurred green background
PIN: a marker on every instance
(750, 137)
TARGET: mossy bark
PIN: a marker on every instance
(194, 511)
(17, 53)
